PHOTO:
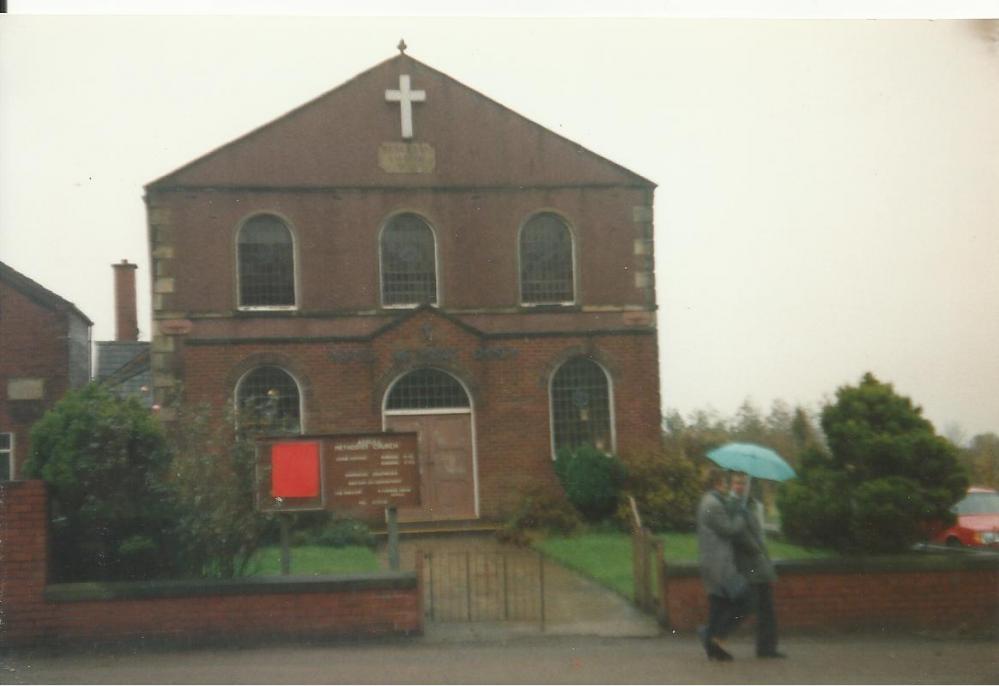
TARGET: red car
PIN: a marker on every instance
(977, 520)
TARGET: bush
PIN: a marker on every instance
(816, 513)
(106, 462)
(886, 514)
(886, 479)
(540, 510)
(341, 533)
(214, 471)
(592, 480)
(320, 528)
(666, 486)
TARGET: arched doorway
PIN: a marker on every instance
(436, 406)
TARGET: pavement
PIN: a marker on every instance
(867, 659)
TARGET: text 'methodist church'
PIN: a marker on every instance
(404, 254)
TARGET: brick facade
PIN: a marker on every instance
(31, 611)
(326, 170)
(44, 352)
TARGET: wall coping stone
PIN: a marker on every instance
(180, 588)
(908, 563)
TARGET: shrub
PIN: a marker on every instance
(816, 512)
(540, 510)
(886, 514)
(591, 479)
(214, 471)
(341, 533)
(105, 461)
(666, 486)
(320, 528)
(886, 478)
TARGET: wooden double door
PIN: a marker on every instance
(447, 467)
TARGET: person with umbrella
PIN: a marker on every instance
(751, 558)
(753, 562)
(728, 591)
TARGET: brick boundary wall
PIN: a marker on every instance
(32, 611)
(937, 592)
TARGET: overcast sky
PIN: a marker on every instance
(828, 191)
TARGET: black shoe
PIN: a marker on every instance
(716, 652)
(775, 655)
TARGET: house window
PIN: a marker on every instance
(546, 261)
(6, 456)
(427, 389)
(266, 263)
(268, 401)
(409, 262)
(581, 407)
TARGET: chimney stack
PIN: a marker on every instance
(126, 318)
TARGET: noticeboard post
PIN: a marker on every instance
(365, 476)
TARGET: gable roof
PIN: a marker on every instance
(334, 141)
(38, 293)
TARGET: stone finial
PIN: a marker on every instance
(402, 47)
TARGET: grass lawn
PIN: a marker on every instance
(314, 560)
(606, 557)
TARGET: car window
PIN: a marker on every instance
(979, 503)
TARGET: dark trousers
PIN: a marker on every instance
(725, 614)
(766, 618)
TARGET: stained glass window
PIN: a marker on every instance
(581, 405)
(266, 263)
(546, 261)
(409, 262)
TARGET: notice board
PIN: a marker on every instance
(356, 475)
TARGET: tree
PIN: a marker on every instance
(214, 474)
(105, 460)
(981, 458)
(886, 477)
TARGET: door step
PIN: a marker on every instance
(455, 526)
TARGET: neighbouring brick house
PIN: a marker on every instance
(44, 352)
(403, 253)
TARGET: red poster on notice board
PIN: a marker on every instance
(295, 470)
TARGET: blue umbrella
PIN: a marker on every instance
(755, 460)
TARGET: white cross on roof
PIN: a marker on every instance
(405, 97)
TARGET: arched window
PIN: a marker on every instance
(427, 389)
(266, 263)
(546, 261)
(581, 406)
(409, 262)
(268, 401)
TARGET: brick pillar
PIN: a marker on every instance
(126, 318)
(24, 616)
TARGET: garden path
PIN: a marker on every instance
(574, 604)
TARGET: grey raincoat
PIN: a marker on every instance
(751, 556)
(716, 529)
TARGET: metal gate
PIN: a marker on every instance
(477, 586)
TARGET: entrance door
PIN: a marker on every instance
(434, 404)
(447, 479)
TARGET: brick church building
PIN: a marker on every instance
(403, 253)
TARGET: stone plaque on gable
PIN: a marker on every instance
(407, 158)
